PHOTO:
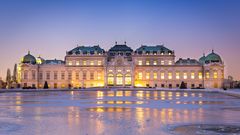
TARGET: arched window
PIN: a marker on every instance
(110, 79)
(128, 79)
(119, 79)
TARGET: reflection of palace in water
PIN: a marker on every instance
(120, 66)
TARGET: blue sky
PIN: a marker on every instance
(51, 27)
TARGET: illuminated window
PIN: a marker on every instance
(139, 62)
(170, 62)
(169, 53)
(192, 75)
(99, 76)
(109, 70)
(162, 53)
(147, 75)
(155, 75)
(84, 62)
(162, 75)
(91, 62)
(184, 75)
(215, 75)
(128, 79)
(70, 63)
(119, 79)
(128, 70)
(140, 75)
(77, 63)
(99, 62)
(162, 62)
(169, 75)
(200, 75)
(110, 79)
(147, 62)
(119, 70)
(154, 62)
(207, 75)
(177, 75)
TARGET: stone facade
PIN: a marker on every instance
(147, 66)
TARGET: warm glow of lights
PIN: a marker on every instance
(184, 75)
(170, 62)
(155, 75)
(215, 75)
(192, 75)
(177, 75)
(154, 62)
(100, 94)
(200, 75)
(169, 75)
(162, 62)
(162, 76)
(207, 75)
(99, 62)
(140, 62)
(147, 75)
(140, 75)
(147, 62)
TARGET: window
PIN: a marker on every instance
(184, 75)
(192, 75)
(109, 70)
(169, 75)
(99, 76)
(77, 63)
(77, 75)
(55, 75)
(91, 63)
(69, 75)
(215, 75)
(119, 79)
(84, 75)
(140, 75)
(154, 62)
(155, 75)
(119, 70)
(139, 62)
(99, 62)
(110, 79)
(48, 75)
(84, 62)
(162, 62)
(147, 75)
(200, 75)
(40, 76)
(70, 63)
(33, 75)
(170, 62)
(63, 75)
(207, 75)
(128, 70)
(128, 79)
(91, 75)
(25, 75)
(147, 62)
(162, 76)
(177, 75)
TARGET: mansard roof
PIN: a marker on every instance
(156, 48)
(120, 48)
(86, 50)
(187, 62)
(54, 62)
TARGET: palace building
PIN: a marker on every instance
(121, 66)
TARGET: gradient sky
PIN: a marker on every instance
(51, 27)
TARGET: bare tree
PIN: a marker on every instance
(8, 78)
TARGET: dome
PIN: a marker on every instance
(213, 57)
(29, 59)
(202, 59)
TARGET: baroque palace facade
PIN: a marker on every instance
(120, 66)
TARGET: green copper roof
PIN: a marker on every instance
(156, 48)
(86, 50)
(213, 57)
(29, 59)
(120, 48)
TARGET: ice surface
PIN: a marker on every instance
(113, 112)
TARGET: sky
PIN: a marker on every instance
(49, 28)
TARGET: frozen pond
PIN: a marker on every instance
(118, 113)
